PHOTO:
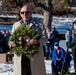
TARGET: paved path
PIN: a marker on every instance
(62, 44)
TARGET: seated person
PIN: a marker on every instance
(57, 58)
(68, 59)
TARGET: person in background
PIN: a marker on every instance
(74, 30)
(34, 65)
(6, 35)
(58, 58)
(50, 43)
(4, 40)
(1, 42)
(68, 38)
(72, 47)
(68, 58)
(56, 35)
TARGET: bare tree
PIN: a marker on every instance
(46, 5)
(60, 6)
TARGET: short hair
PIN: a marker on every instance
(74, 22)
(28, 6)
(68, 29)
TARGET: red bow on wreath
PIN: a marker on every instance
(24, 43)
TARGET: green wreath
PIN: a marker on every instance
(21, 36)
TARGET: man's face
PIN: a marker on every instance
(68, 31)
(56, 47)
(25, 13)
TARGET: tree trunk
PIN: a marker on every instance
(47, 19)
(48, 14)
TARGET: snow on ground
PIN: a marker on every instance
(48, 66)
(71, 69)
(6, 69)
(61, 23)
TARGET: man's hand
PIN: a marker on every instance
(70, 50)
(12, 44)
(34, 41)
(58, 59)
